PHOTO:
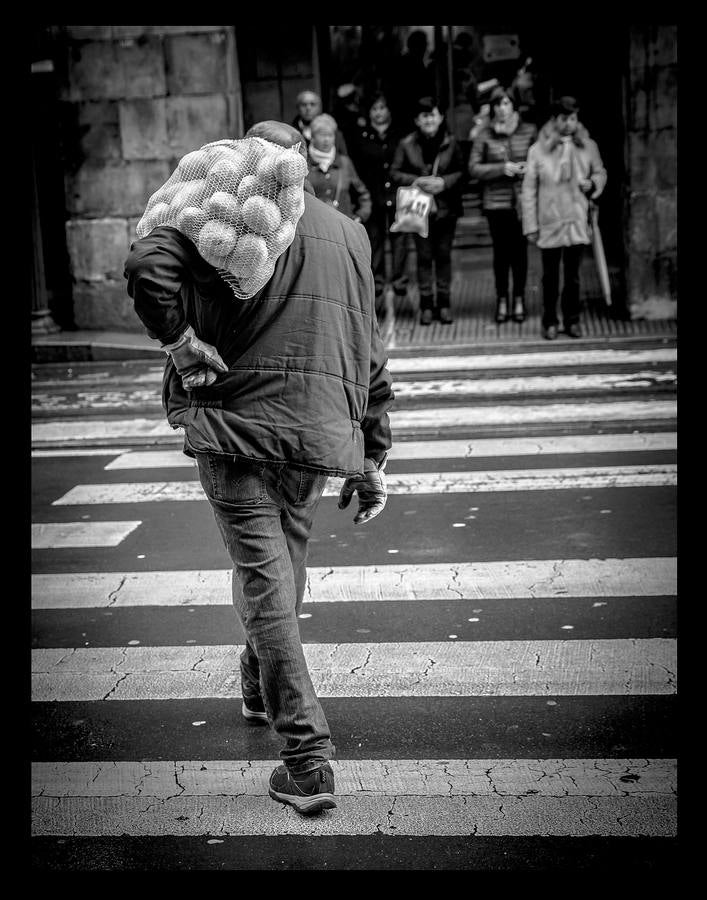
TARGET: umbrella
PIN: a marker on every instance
(599, 256)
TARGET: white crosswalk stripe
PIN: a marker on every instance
(434, 669)
(467, 794)
(523, 579)
(591, 477)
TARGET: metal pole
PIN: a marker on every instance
(42, 321)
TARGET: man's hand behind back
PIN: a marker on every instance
(371, 490)
(196, 361)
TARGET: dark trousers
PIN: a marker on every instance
(265, 512)
(435, 250)
(378, 226)
(571, 258)
(510, 251)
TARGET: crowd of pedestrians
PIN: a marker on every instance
(535, 186)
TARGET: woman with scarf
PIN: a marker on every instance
(332, 175)
(497, 159)
(563, 175)
(430, 159)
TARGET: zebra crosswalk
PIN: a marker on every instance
(496, 654)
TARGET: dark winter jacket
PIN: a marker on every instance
(307, 382)
(374, 156)
(340, 186)
(409, 163)
(489, 153)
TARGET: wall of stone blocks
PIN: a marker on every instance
(651, 149)
(135, 99)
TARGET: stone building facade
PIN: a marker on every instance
(134, 99)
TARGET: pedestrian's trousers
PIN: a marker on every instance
(378, 228)
(510, 251)
(265, 513)
(435, 249)
(571, 258)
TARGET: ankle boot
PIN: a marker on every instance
(518, 310)
(501, 309)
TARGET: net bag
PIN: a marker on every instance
(239, 203)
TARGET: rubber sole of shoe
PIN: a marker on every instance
(252, 716)
(305, 805)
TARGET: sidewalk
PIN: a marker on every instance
(473, 306)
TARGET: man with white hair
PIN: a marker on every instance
(309, 106)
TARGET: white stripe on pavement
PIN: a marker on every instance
(523, 579)
(88, 428)
(590, 477)
(400, 777)
(525, 385)
(642, 816)
(413, 669)
(77, 451)
(398, 364)
(417, 364)
(561, 444)
(59, 535)
(522, 385)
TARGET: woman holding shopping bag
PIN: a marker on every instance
(429, 158)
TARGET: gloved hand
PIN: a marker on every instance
(196, 361)
(371, 490)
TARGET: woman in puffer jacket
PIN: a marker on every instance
(497, 159)
(563, 175)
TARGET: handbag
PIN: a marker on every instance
(413, 207)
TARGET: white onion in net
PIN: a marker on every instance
(239, 202)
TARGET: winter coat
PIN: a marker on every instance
(409, 164)
(489, 152)
(341, 187)
(307, 383)
(375, 156)
(558, 209)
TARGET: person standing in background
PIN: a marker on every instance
(309, 106)
(332, 174)
(430, 159)
(497, 159)
(376, 146)
(563, 174)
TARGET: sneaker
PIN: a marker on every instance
(550, 333)
(426, 316)
(445, 316)
(574, 331)
(308, 793)
(254, 710)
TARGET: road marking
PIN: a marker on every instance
(523, 579)
(590, 477)
(523, 385)
(413, 669)
(59, 535)
(398, 364)
(484, 447)
(77, 451)
(400, 777)
(641, 816)
(89, 428)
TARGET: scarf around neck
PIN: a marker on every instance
(321, 158)
(566, 159)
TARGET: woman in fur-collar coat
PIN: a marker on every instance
(563, 175)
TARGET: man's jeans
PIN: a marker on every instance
(265, 512)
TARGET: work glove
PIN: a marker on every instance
(196, 361)
(371, 490)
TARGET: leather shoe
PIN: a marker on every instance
(426, 317)
(550, 333)
(501, 310)
(518, 310)
(445, 317)
(574, 331)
